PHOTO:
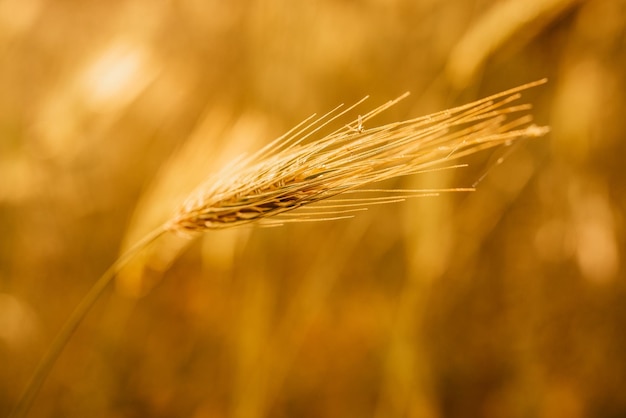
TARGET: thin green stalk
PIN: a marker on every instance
(60, 341)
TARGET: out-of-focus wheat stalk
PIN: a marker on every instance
(287, 180)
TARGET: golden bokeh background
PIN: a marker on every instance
(506, 302)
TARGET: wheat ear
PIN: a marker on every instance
(286, 180)
(296, 171)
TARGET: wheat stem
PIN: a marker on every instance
(60, 341)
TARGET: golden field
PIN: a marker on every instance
(505, 302)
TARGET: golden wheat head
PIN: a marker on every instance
(304, 167)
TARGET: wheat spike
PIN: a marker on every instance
(298, 170)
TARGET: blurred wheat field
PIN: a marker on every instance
(504, 302)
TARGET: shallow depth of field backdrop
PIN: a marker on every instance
(506, 302)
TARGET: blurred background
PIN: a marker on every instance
(505, 302)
